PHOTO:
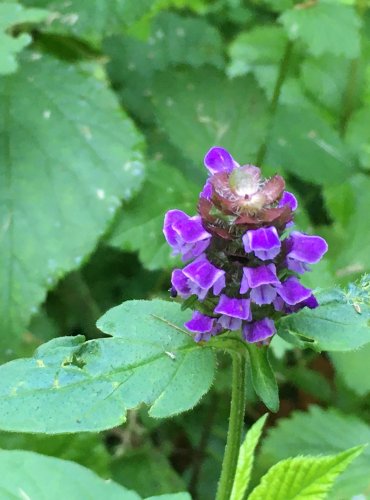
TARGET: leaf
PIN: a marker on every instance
(72, 386)
(320, 26)
(198, 109)
(28, 475)
(246, 459)
(66, 159)
(303, 477)
(337, 324)
(11, 15)
(323, 158)
(263, 377)
(321, 432)
(358, 137)
(139, 226)
(94, 19)
(171, 496)
(352, 367)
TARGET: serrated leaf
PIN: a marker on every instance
(320, 26)
(308, 478)
(263, 377)
(66, 159)
(246, 459)
(92, 19)
(25, 474)
(321, 432)
(11, 15)
(323, 158)
(198, 109)
(352, 367)
(70, 385)
(336, 325)
(139, 225)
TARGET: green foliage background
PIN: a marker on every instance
(106, 111)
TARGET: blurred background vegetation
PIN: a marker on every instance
(106, 111)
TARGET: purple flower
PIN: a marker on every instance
(186, 235)
(304, 250)
(292, 292)
(264, 242)
(206, 191)
(203, 326)
(198, 278)
(261, 280)
(219, 160)
(288, 199)
(233, 311)
(258, 330)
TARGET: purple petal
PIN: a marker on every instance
(264, 242)
(171, 217)
(264, 294)
(180, 283)
(206, 191)
(236, 308)
(306, 248)
(257, 276)
(193, 250)
(292, 292)
(259, 330)
(204, 274)
(191, 229)
(200, 323)
(297, 266)
(219, 160)
(229, 323)
(288, 199)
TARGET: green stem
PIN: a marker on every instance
(284, 65)
(234, 434)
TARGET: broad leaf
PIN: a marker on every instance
(323, 159)
(66, 159)
(303, 477)
(263, 378)
(139, 225)
(199, 109)
(320, 26)
(353, 368)
(11, 15)
(71, 386)
(92, 19)
(340, 323)
(321, 432)
(27, 475)
(246, 459)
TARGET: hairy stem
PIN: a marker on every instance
(284, 65)
(234, 434)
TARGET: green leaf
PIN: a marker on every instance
(246, 459)
(139, 225)
(321, 432)
(263, 377)
(171, 496)
(340, 323)
(323, 158)
(358, 136)
(29, 475)
(92, 19)
(71, 386)
(198, 109)
(303, 477)
(11, 15)
(352, 367)
(66, 159)
(320, 26)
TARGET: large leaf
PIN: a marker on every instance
(67, 155)
(320, 25)
(71, 386)
(308, 478)
(12, 14)
(322, 158)
(92, 19)
(321, 432)
(353, 368)
(340, 323)
(139, 226)
(27, 475)
(202, 108)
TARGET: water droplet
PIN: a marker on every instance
(86, 132)
(282, 141)
(78, 259)
(46, 114)
(100, 193)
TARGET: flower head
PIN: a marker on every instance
(244, 267)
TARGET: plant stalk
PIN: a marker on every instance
(235, 430)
